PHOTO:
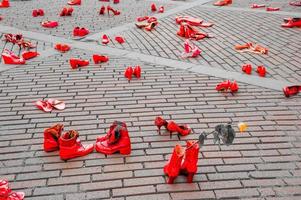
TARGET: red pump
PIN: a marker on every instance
(7, 194)
(172, 168)
(180, 129)
(189, 165)
(159, 122)
(51, 137)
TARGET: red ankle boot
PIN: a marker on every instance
(112, 127)
(137, 71)
(116, 140)
(7, 194)
(189, 165)
(74, 2)
(71, 147)
(75, 63)
(153, 7)
(10, 58)
(291, 90)
(247, 68)
(99, 58)
(4, 4)
(172, 168)
(261, 71)
(102, 10)
(51, 137)
(159, 122)
(128, 73)
(180, 129)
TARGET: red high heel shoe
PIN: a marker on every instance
(223, 3)
(105, 39)
(172, 168)
(115, 12)
(161, 9)
(71, 147)
(26, 55)
(102, 10)
(137, 72)
(159, 122)
(151, 26)
(261, 71)
(257, 6)
(291, 22)
(62, 47)
(128, 73)
(10, 58)
(7, 194)
(75, 63)
(74, 2)
(50, 24)
(291, 90)
(4, 4)
(120, 39)
(153, 7)
(189, 165)
(247, 68)
(223, 86)
(272, 9)
(117, 140)
(112, 128)
(100, 58)
(51, 137)
(180, 129)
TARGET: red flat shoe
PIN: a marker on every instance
(10, 58)
(50, 24)
(223, 3)
(51, 137)
(105, 39)
(223, 86)
(120, 39)
(100, 58)
(115, 12)
(102, 10)
(140, 19)
(291, 22)
(62, 47)
(153, 7)
(76, 63)
(151, 26)
(159, 122)
(137, 72)
(128, 73)
(295, 3)
(257, 6)
(180, 129)
(291, 90)
(26, 55)
(74, 2)
(261, 71)
(173, 167)
(161, 9)
(272, 9)
(57, 104)
(4, 4)
(189, 165)
(44, 105)
(247, 68)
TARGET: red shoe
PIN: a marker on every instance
(26, 55)
(152, 19)
(244, 46)
(128, 73)
(223, 86)
(257, 6)
(51, 137)
(189, 166)
(116, 1)
(190, 50)
(261, 71)
(140, 19)
(44, 105)
(102, 10)
(272, 9)
(57, 104)
(291, 90)
(295, 3)
(62, 47)
(291, 22)
(173, 167)
(7, 194)
(116, 140)
(50, 24)
(4, 4)
(10, 58)
(75, 63)
(153, 7)
(189, 20)
(1, 17)
(112, 128)
(137, 72)
(151, 26)
(223, 3)
(105, 39)
(159, 122)
(41, 12)
(120, 39)
(71, 147)
(80, 32)
(100, 58)
(180, 129)
(67, 11)
(247, 68)
(74, 2)
(182, 30)
(233, 87)
(161, 9)
(115, 12)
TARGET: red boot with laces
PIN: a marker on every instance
(189, 165)
(173, 167)
(51, 137)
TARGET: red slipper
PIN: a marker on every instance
(59, 105)
(272, 9)
(43, 105)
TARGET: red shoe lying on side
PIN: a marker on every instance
(223, 3)
(120, 39)
(257, 5)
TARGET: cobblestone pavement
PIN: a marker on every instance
(263, 163)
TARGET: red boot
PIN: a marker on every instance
(128, 73)
(116, 140)
(71, 147)
(159, 122)
(180, 129)
(10, 58)
(99, 58)
(247, 68)
(112, 127)
(74, 2)
(153, 7)
(291, 90)
(4, 4)
(75, 63)
(51, 137)
(7, 194)
(172, 168)
(261, 71)
(189, 165)
(137, 71)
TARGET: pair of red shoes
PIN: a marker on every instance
(226, 86)
(190, 50)
(183, 161)
(67, 11)
(171, 126)
(291, 22)
(109, 8)
(4, 4)
(7, 194)
(247, 68)
(68, 143)
(50, 104)
(129, 72)
(192, 21)
(76, 63)
(38, 12)
(291, 90)
(106, 40)
(49, 24)
(222, 3)
(189, 31)
(80, 32)
(62, 47)
(74, 2)
(10, 58)
(154, 8)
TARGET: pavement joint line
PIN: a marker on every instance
(200, 69)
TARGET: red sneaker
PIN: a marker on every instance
(7, 194)
(153, 7)
(291, 90)
(71, 147)
(117, 140)
(4, 4)
(51, 137)
(75, 63)
(247, 68)
(159, 122)
(26, 55)
(105, 39)
(128, 73)
(137, 72)
(189, 165)
(180, 129)
(74, 2)
(100, 58)
(120, 39)
(161, 9)
(291, 22)
(172, 168)
(261, 71)
(102, 10)
(10, 58)
(272, 9)
(50, 24)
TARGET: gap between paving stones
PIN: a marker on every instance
(201, 69)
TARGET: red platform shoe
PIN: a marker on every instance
(291, 90)
(75, 63)
(115, 12)
(247, 68)
(291, 22)
(161, 9)
(261, 71)
(272, 9)
(102, 10)
(137, 71)
(128, 73)
(71, 147)
(153, 7)
(26, 55)
(4, 4)
(62, 47)
(189, 165)
(105, 39)
(117, 140)
(120, 39)
(51, 137)
(50, 24)
(159, 122)
(180, 129)
(173, 167)
(10, 58)
(74, 2)
(7, 194)
(100, 58)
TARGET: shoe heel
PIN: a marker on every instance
(171, 179)
(125, 151)
(190, 177)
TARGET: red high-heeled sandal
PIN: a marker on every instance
(57, 104)
(291, 90)
(10, 58)
(247, 68)
(115, 12)
(75, 63)
(7, 194)
(100, 58)
(159, 122)
(44, 105)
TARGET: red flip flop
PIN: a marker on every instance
(57, 104)
(43, 105)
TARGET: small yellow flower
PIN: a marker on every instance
(242, 126)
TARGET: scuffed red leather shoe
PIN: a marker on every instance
(291, 90)
(223, 3)
(100, 58)
(159, 122)
(189, 165)
(105, 39)
(62, 47)
(10, 58)
(261, 71)
(7, 194)
(51, 137)
(153, 7)
(120, 39)
(76, 63)
(272, 9)
(137, 71)
(50, 24)
(180, 129)
(247, 68)
(117, 140)
(291, 23)
(71, 147)
(74, 2)
(173, 167)
(4, 4)
(26, 55)
(128, 73)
